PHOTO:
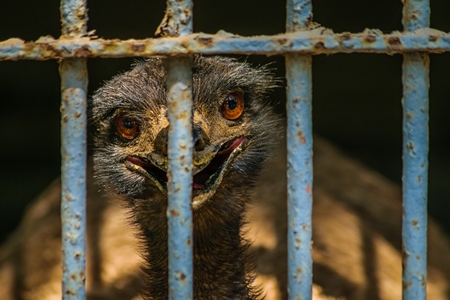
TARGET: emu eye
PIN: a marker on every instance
(127, 127)
(233, 106)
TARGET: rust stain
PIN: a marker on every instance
(109, 46)
(308, 188)
(282, 41)
(181, 116)
(205, 41)
(174, 212)
(182, 276)
(71, 292)
(297, 243)
(298, 275)
(138, 47)
(301, 138)
(84, 51)
(433, 38)
(415, 223)
(394, 41)
(345, 37)
(319, 46)
(370, 38)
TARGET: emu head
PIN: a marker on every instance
(233, 129)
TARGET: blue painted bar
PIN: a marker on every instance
(179, 211)
(73, 176)
(178, 22)
(73, 152)
(416, 15)
(299, 157)
(314, 42)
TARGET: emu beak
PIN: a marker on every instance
(209, 167)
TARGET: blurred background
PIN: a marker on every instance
(356, 97)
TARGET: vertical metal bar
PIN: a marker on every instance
(416, 14)
(179, 212)
(73, 152)
(178, 21)
(299, 157)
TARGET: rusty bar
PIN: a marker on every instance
(179, 212)
(314, 42)
(299, 156)
(178, 22)
(73, 152)
(416, 15)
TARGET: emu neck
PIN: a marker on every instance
(220, 255)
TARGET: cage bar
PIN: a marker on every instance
(179, 212)
(178, 22)
(73, 153)
(299, 157)
(416, 15)
(313, 42)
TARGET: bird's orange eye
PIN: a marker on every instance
(233, 106)
(127, 127)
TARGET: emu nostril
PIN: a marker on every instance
(199, 137)
(199, 144)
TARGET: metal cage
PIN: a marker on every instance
(301, 40)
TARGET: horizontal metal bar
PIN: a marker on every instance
(317, 41)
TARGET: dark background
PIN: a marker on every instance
(356, 97)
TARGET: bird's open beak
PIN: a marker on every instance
(209, 167)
